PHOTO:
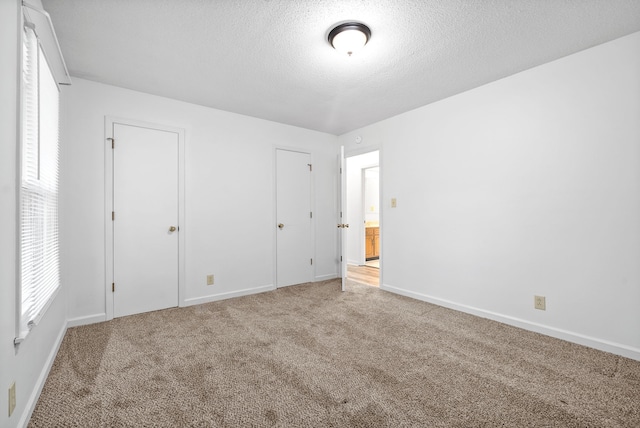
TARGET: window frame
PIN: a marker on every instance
(45, 191)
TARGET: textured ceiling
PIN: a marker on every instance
(270, 58)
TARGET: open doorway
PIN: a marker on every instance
(363, 214)
(371, 210)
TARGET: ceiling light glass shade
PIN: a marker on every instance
(349, 37)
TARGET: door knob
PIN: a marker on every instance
(172, 229)
(280, 225)
(346, 225)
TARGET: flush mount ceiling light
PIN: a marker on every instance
(349, 37)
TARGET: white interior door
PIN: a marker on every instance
(294, 264)
(343, 214)
(145, 205)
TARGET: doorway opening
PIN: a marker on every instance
(363, 213)
(144, 202)
(294, 227)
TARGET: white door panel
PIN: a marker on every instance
(293, 208)
(343, 218)
(145, 202)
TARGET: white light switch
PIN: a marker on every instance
(394, 203)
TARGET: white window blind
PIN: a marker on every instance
(39, 254)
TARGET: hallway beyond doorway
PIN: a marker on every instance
(373, 263)
(364, 275)
(364, 214)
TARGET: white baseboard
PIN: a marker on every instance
(228, 295)
(326, 277)
(592, 342)
(42, 378)
(89, 319)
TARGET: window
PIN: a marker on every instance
(39, 255)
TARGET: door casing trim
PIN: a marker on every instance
(360, 151)
(314, 223)
(109, 122)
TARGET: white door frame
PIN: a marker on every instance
(341, 220)
(360, 151)
(362, 258)
(109, 121)
(274, 219)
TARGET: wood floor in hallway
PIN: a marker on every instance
(364, 275)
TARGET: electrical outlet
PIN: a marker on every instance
(12, 398)
(209, 279)
(394, 202)
(540, 303)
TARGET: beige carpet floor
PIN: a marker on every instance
(312, 356)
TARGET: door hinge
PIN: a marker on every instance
(113, 215)
(340, 170)
(310, 167)
(340, 214)
(113, 287)
(340, 258)
(113, 143)
(310, 214)
(312, 261)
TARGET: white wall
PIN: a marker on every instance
(528, 185)
(230, 223)
(28, 364)
(372, 195)
(355, 234)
